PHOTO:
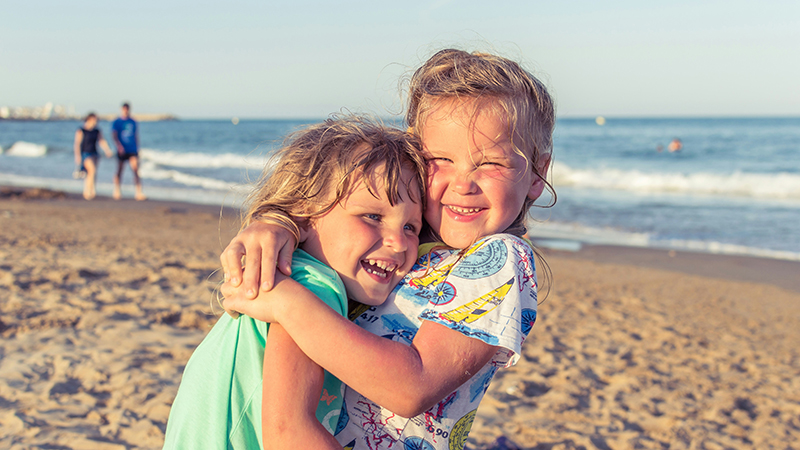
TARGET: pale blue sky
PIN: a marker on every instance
(309, 58)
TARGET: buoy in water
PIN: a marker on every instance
(235, 121)
(600, 120)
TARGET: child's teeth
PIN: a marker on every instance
(380, 274)
(381, 264)
(464, 210)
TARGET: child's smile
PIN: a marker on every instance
(371, 244)
(477, 181)
(381, 269)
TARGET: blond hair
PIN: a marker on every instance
(318, 166)
(493, 82)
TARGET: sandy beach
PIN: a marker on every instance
(103, 302)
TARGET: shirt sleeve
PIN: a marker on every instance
(321, 280)
(489, 294)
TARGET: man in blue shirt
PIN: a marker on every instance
(126, 137)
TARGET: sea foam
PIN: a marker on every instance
(27, 150)
(570, 236)
(202, 160)
(736, 184)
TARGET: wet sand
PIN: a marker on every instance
(102, 303)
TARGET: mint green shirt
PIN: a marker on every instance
(218, 405)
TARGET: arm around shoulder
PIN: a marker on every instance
(405, 379)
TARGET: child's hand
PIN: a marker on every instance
(264, 247)
(261, 307)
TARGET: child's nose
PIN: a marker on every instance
(396, 240)
(464, 182)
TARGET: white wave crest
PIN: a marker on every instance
(152, 171)
(570, 236)
(27, 150)
(737, 184)
(203, 160)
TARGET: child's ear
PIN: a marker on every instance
(538, 183)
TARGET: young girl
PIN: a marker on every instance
(417, 366)
(86, 139)
(342, 174)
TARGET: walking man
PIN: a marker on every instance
(126, 137)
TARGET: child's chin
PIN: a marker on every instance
(373, 300)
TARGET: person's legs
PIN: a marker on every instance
(118, 179)
(90, 164)
(134, 160)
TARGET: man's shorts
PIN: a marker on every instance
(126, 156)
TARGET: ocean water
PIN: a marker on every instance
(734, 187)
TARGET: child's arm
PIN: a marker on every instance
(291, 392)
(407, 380)
(258, 242)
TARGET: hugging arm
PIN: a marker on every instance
(407, 380)
(265, 246)
(292, 384)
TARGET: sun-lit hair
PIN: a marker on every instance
(318, 166)
(499, 84)
(89, 116)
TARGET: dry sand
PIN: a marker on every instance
(102, 303)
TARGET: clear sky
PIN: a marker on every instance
(308, 58)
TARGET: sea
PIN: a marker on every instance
(733, 188)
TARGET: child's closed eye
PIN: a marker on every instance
(434, 159)
(492, 163)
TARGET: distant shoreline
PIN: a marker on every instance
(156, 117)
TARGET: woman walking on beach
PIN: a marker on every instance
(86, 157)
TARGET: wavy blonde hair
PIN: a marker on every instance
(318, 166)
(493, 82)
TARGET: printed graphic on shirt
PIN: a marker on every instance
(417, 443)
(327, 398)
(343, 419)
(460, 431)
(481, 261)
(485, 261)
(374, 425)
(401, 329)
(481, 385)
(479, 307)
(438, 411)
(429, 287)
(528, 319)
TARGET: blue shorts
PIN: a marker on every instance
(85, 156)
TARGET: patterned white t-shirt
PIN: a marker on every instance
(487, 292)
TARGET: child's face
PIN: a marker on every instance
(369, 242)
(477, 182)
